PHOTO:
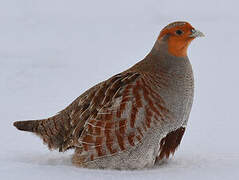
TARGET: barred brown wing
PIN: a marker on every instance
(126, 114)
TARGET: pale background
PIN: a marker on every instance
(51, 51)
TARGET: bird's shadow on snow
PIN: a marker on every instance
(48, 159)
(181, 162)
(59, 159)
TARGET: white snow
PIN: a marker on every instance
(52, 51)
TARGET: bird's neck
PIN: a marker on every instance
(159, 59)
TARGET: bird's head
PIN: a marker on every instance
(178, 36)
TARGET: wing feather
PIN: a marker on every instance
(126, 111)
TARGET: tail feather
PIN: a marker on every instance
(30, 126)
(54, 131)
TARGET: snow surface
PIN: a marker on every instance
(52, 51)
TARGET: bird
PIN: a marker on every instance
(133, 120)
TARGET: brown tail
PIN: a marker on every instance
(54, 131)
(30, 126)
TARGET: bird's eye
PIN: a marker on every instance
(179, 32)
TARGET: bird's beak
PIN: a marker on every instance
(196, 33)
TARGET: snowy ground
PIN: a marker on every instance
(51, 51)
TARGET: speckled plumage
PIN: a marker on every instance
(130, 121)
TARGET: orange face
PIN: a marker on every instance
(180, 34)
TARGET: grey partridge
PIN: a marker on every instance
(134, 119)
